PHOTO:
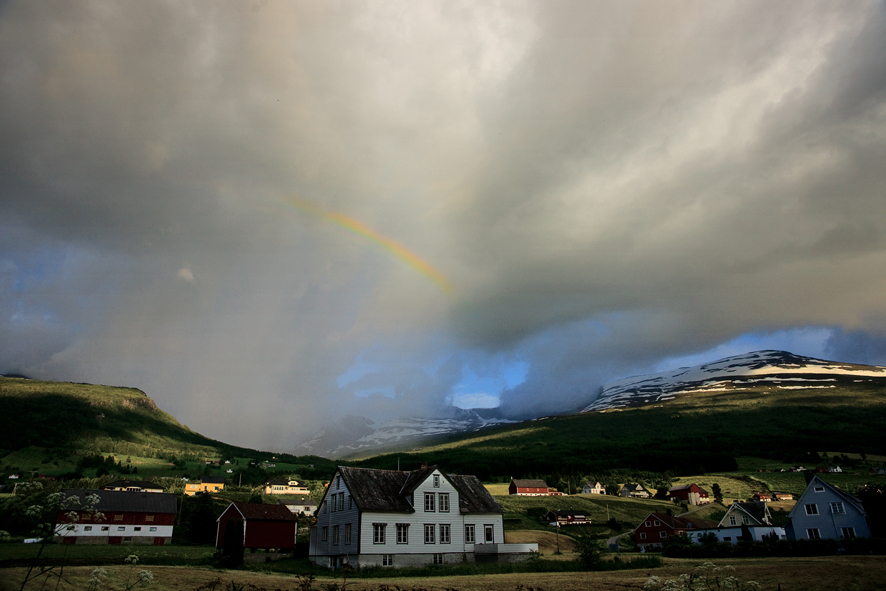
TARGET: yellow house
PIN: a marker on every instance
(207, 484)
(285, 486)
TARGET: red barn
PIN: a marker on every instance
(264, 526)
(531, 488)
(122, 518)
(691, 493)
(658, 527)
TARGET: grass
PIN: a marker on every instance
(18, 554)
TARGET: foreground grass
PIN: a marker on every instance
(840, 573)
(21, 554)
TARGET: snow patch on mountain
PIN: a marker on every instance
(772, 367)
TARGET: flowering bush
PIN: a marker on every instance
(707, 577)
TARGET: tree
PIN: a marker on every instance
(718, 494)
(590, 551)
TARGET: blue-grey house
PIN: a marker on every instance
(823, 511)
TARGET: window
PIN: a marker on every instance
(733, 520)
(818, 489)
(136, 528)
(813, 534)
(438, 559)
(429, 533)
(444, 502)
(402, 533)
(387, 560)
(378, 533)
(121, 528)
(444, 533)
(154, 528)
(642, 535)
(469, 534)
(847, 532)
(347, 534)
(127, 539)
(87, 528)
(332, 503)
(429, 502)
(436, 481)
(338, 482)
(105, 528)
(118, 518)
(745, 520)
(149, 518)
(350, 502)
(662, 534)
(335, 535)
(656, 523)
(324, 534)
(837, 507)
(811, 509)
(488, 534)
(341, 501)
(648, 524)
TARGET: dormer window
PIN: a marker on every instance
(436, 481)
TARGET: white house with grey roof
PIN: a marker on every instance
(392, 518)
(824, 511)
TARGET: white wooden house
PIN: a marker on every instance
(393, 518)
(596, 488)
(823, 511)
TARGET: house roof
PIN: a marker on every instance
(118, 500)
(389, 490)
(756, 509)
(529, 483)
(684, 522)
(132, 483)
(282, 482)
(565, 513)
(212, 480)
(260, 512)
(816, 480)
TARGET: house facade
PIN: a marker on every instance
(656, 528)
(285, 486)
(691, 494)
(263, 526)
(635, 491)
(133, 486)
(531, 488)
(596, 488)
(823, 511)
(559, 518)
(300, 504)
(743, 521)
(121, 518)
(393, 518)
(208, 484)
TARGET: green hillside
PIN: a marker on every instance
(695, 434)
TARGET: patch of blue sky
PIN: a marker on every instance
(357, 371)
(484, 391)
(809, 341)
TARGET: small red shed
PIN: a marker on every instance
(264, 526)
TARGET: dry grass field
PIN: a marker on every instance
(843, 573)
(548, 542)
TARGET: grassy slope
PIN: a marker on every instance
(688, 435)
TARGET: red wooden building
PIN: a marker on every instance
(264, 526)
(658, 527)
(690, 493)
(118, 518)
(531, 488)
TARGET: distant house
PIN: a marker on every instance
(285, 486)
(392, 519)
(299, 504)
(692, 494)
(749, 521)
(635, 491)
(656, 528)
(763, 497)
(531, 488)
(133, 486)
(207, 484)
(593, 489)
(263, 526)
(123, 518)
(570, 517)
(835, 469)
(779, 496)
(824, 511)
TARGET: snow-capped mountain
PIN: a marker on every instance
(778, 369)
(355, 434)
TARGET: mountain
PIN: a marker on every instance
(355, 436)
(777, 370)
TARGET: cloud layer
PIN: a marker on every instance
(606, 185)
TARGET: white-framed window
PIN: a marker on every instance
(387, 560)
(818, 489)
(153, 528)
(347, 534)
(656, 523)
(642, 535)
(338, 482)
(332, 503)
(402, 533)
(87, 528)
(436, 481)
(745, 520)
(438, 559)
(149, 518)
(444, 503)
(378, 533)
(662, 534)
(429, 533)
(341, 501)
(136, 528)
(121, 528)
(847, 532)
(469, 534)
(733, 520)
(648, 524)
(324, 533)
(429, 502)
(350, 502)
(335, 535)
(813, 533)
(105, 528)
(444, 533)
(488, 534)
(837, 507)
(811, 509)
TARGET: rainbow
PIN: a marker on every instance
(383, 242)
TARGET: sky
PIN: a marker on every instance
(271, 215)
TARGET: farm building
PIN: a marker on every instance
(531, 488)
(134, 486)
(285, 486)
(656, 528)
(121, 518)
(263, 526)
(690, 493)
(569, 517)
(208, 484)
(596, 488)
(823, 511)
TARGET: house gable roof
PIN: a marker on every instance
(389, 490)
(260, 512)
(123, 501)
(756, 510)
(212, 480)
(146, 484)
(810, 488)
(526, 483)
